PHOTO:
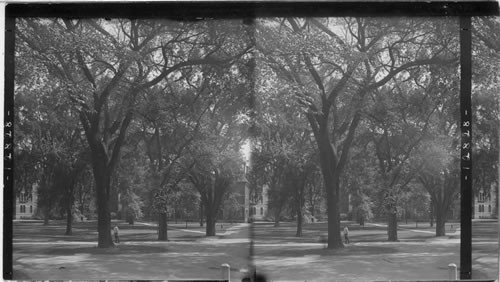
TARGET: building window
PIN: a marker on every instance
(481, 197)
(31, 209)
(261, 211)
(489, 208)
(22, 209)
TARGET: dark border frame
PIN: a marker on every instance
(248, 10)
(242, 9)
(466, 198)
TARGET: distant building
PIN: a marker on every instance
(246, 203)
(242, 186)
(239, 210)
(260, 203)
(26, 203)
(485, 203)
(236, 211)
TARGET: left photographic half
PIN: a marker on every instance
(131, 148)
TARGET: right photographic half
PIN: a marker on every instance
(361, 148)
(485, 141)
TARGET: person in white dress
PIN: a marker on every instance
(346, 234)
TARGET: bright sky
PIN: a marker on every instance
(246, 149)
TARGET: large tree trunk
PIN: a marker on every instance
(103, 163)
(362, 219)
(212, 192)
(175, 213)
(69, 218)
(69, 207)
(211, 218)
(129, 215)
(432, 214)
(300, 202)
(440, 222)
(299, 222)
(277, 214)
(46, 211)
(103, 184)
(392, 227)
(312, 213)
(331, 176)
(334, 237)
(202, 215)
(162, 227)
(333, 211)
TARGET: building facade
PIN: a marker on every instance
(485, 203)
(260, 203)
(26, 203)
(240, 209)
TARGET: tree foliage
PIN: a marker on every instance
(103, 67)
(330, 66)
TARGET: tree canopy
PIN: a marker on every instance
(358, 115)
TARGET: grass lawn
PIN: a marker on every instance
(44, 253)
(419, 255)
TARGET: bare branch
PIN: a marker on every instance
(103, 31)
(394, 72)
(327, 31)
(85, 69)
(314, 74)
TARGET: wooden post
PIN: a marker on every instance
(226, 271)
(452, 272)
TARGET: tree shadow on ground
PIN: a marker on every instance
(484, 270)
(18, 275)
(154, 237)
(346, 251)
(87, 231)
(118, 250)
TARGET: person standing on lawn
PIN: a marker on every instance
(346, 234)
(115, 232)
